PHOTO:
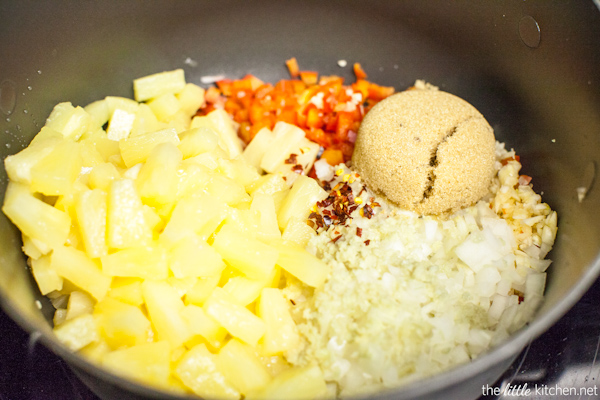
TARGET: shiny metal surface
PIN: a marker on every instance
(543, 100)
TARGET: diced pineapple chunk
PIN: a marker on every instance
(267, 184)
(248, 255)
(243, 290)
(98, 111)
(78, 332)
(120, 125)
(120, 103)
(164, 307)
(157, 180)
(46, 277)
(127, 225)
(102, 176)
(300, 263)
(145, 121)
(191, 178)
(77, 267)
(221, 122)
(91, 211)
(71, 122)
(265, 205)
(107, 148)
(296, 383)
(136, 149)
(197, 141)
(202, 324)
(54, 174)
(149, 363)
(155, 85)
(192, 257)
(201, 290)
(281, 334)
(198, 371)
(145, 262)
(18, 166)
(35, 218)
(238, 170)
(164, 106)
(80, 303)
(191, 98)
(95, 351)
(256, 149)
(121, 324)
(227, 190)
(127, 290)
(304, 194)
(287, 138)
(90, 156)
(238, 320)
(242, 367)
(298, 231)
(191, 215)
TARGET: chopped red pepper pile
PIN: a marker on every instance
(326, 109)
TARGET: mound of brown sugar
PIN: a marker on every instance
(427, 151)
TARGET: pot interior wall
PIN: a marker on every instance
(544, 100)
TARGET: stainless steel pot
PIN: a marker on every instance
(531, 67)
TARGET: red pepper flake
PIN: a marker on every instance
(335, 239)
(293, 302)
(292, 160)
(367, 242)
(297, 169)
(358, 232)
(367, 211)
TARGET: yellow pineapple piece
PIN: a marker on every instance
(299, 161)
(201, 290)
(54, 174)
(80, 303)
(248, 255)
(90, 156)
(91, 211)
(98, 111)
(240, 366)
(196, 141)
(192, 257)
(18, 166)
(46, 277)
(127, 290)
(78, 332)
(157, 180)
(281, 333)
(244, 291)
(71, 122)
(227, 190)
(145, 262)
(149, 363)
(31, 249)
(222, 123)
(191, 98)
(136, 149)
(190, 215)
(198, 371)
(95, 351)
(145, 121)
(265, 206)
(182, 285)
(287, 138)
(202, 324)
(300, 263)
(121, 324)
(301, 198)
(120, 124)
(255, 150)
(103, 145)
(191, 179)
(239, 170)
(298, 231)
(237, 319)
(127, 225)
(164, 308)
(35, 218)
(180, 121)
(114, 103)
(295, 383)
(77, 267)
(164, 106)
(155, 85)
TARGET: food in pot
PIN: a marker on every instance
(181, 257)
(426, 150)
